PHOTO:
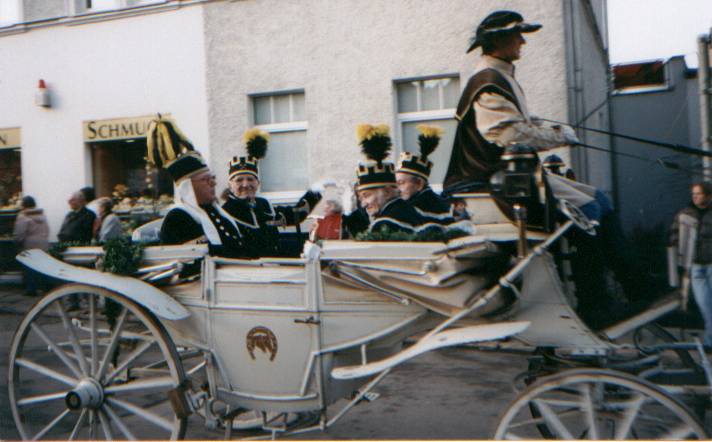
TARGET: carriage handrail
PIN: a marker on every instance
(363, 283)
(382, 269)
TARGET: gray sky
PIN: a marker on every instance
(648, 29)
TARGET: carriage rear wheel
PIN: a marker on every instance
(88, 363)
(597, 404)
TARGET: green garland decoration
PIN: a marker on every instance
(121, 256)
(428, 235)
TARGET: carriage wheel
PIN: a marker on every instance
(597, 404)
(79, 372)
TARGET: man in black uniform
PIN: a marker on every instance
(377, 189)
(412, 179)
(196, 216)
(257, 217)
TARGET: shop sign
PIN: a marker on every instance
(10, 138)
(116, 129)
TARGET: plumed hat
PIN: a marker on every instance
(500, 21)
(256, 146)
(167, 147)
(420, 165)
(375, 144)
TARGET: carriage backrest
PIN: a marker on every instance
(482, 208)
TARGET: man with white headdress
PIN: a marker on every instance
(196, 216)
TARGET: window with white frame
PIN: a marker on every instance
(432, 101)
(81, 6)
(10, 12)
(283, 116)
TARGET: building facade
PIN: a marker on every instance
(108, 66)
(307, 71)
(655, 100)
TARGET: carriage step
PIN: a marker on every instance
(371, 396)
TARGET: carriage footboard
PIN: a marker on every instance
(447, 338)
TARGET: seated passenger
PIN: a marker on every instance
(257, 217)
(412, 179)
(377, 190)
(196, 216)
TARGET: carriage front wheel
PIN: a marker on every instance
(597, 404)
(88, 363)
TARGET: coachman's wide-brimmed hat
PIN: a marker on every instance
(419, 165)
(500, 21)
(167, 147)
(375, 143)
(256, 146)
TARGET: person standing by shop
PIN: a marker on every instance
(31, 231)
(691, 236)
(78, 224)
(107, 225)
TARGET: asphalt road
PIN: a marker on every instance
(449, 394)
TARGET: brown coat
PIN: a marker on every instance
(31, 230)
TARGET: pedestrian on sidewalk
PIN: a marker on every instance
(31, 231)
(691, 236)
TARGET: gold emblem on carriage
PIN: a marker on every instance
(263, 339)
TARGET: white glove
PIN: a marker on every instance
(348, 201)
(322, 184)
(567, 134)
(311, 251)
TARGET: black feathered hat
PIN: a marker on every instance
(500, 21)
(420, 165)
(167, 147)
(375, 143)
(256, 146)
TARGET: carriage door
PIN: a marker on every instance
(261, 328)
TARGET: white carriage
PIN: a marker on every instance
(278, 338)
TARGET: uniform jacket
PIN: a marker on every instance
(77, 226)
(432, 207)
(691, 236)
(259, 220)
(31, 230)
(179, 228)
(397, 216)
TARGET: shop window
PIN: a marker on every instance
(120, 171)
(10, 178)
(108, 5)
(10, 194)
(283, 116)
(432, 101)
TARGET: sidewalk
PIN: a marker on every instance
(14, 302)
(13, 306)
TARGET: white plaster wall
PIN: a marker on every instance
(120, 68)
(345, 54)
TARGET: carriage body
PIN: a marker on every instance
(281, 335)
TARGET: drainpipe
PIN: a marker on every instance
(572, 72)
(703, 76)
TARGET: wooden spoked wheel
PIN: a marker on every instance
(597, 404)
(88, 363)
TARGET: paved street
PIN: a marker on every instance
(450, 394)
